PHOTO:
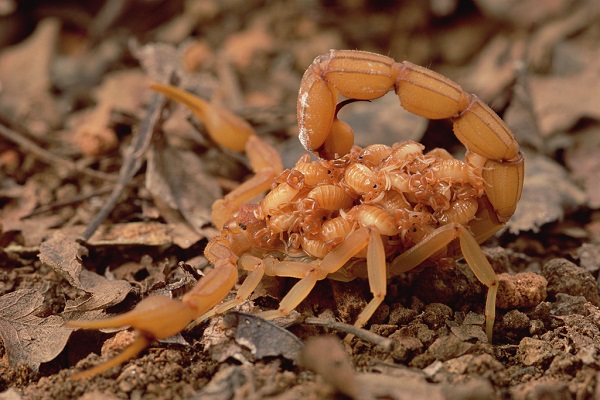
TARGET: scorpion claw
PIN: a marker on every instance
(156, 317)
(224, 127)
(139, 344)
(159, 317)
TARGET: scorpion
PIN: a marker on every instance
(372, 212)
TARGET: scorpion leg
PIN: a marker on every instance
(483, 270)
(257, 271)
(266, 164)
(224, 127)
(158, 317)
(233, 133)
(376, 270)
(310, 273)
(472, 253)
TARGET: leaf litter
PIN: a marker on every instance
(29, 339)
(71, 120)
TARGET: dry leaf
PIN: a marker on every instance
(64, 255)
(162, 62)
(25, 76)
(561, 101)
(583, 160)
(176, 177)
(132, 233)
(241, 47)
(24, 200)
(123, 91)
(547, 193)
(263, 338)
(494, 71)
(382, 121)
(524, 13)
(28, 339)
(544, 43)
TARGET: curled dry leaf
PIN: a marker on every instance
(64, 255)
(29, 339)
(547, 195)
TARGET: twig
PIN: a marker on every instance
(49, 157)
(385, 343)
(131, 164)
(59, 204)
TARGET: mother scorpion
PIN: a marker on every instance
(389, 208)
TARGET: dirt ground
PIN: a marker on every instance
(88, 151)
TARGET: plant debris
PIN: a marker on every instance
(28, 339)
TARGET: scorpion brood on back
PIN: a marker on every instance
(373, 212)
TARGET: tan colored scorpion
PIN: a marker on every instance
(374, 212)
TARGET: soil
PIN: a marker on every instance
(80, 130)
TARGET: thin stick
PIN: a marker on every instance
(132, 163)
(73, 200)
(385, 343)
(48, 157)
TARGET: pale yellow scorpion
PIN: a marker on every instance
(374, 212)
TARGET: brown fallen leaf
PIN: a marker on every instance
(584, 163)
(561, 101)
(494, 71)
(26, 84)
(177, 179)
(241, 47)
(548, 192)
(524, 13)
(122, 91)
(549, 36)
(132, 233)
(23, 199)
(28, 339)
(162, 61)
(253, 338)
(64, 255)
(382, 121)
